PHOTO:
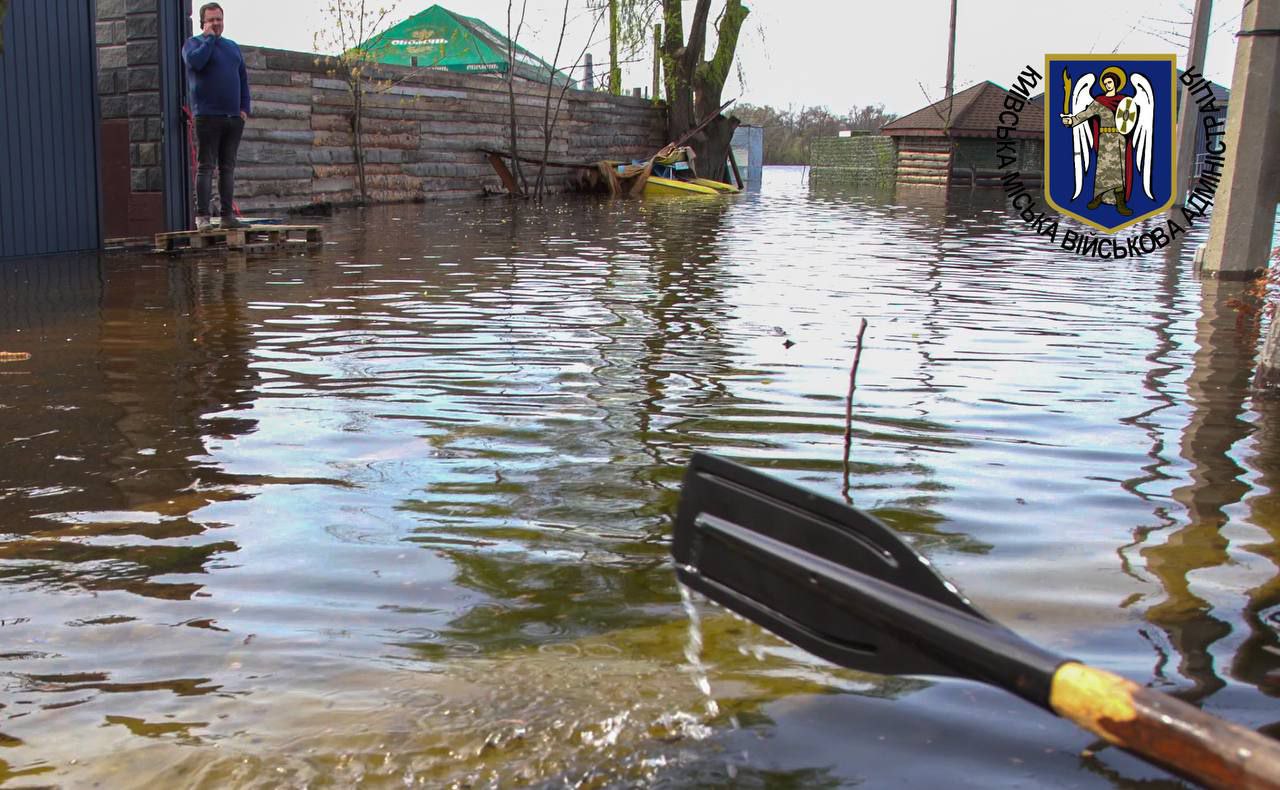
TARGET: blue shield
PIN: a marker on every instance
(1109, 139)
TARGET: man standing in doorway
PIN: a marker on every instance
(219, 89)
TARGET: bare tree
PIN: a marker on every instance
(549, 118)
(351, 33)
(694, 85)
(518, 171)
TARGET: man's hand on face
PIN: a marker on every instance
(207, 28)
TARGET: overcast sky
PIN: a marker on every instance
(834, 53)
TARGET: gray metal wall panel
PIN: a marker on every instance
(49, 182)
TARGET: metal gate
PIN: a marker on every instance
(49, 182)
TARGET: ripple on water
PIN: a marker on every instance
(455, 436)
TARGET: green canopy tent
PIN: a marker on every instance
(440, 39)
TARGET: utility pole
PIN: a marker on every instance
(951, 54)
(1244, 205)
(1188, 117)
(951, 76)
(1243, 221)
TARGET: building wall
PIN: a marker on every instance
(860, 159)
(924, 161)
(48, 130)
(974, 161)
(128, 46)
(422, 133)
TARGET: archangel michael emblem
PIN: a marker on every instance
(1109, 143)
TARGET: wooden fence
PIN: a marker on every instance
(422, 132)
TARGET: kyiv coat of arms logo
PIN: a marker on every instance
(1109, 143)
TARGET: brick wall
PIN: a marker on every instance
(421, 133)
(860, 159)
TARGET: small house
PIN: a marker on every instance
(953, 141)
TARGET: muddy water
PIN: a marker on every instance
(396, 511)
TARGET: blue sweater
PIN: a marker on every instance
(216, 77)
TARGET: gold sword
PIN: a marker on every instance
(1066, 92)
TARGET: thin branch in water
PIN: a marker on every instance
(550, 118)
(848, 410)
(512, 37)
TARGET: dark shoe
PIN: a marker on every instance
(231, 223)
(1095, 202)
(1120, 206)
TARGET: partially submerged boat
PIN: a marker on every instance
(657, 185)
(668, 172)
(672, 173)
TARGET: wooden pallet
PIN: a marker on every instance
(255, 238)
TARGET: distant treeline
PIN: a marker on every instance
(787, 133)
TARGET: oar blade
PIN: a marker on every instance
(749, 541)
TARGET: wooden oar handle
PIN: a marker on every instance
(1165, 730)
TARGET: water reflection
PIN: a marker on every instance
(1216, 389)
(409, 496)
(112, 409)
(1255, 660)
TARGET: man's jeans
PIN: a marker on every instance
(217, 138)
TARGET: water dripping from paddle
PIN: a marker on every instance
(693, 652)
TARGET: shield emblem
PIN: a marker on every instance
(1126, 116)
(1110, 137)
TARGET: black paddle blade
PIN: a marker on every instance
(818, 573)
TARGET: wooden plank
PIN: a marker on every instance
(733, 163)
(533, 160)
(504, 174)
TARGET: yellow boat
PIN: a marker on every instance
(670, 186)
(718, 186)
(669, 172)
(672, 173)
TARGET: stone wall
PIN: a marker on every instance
(422, 132)
(870, 159)
(129, 92)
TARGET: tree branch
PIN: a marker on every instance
(716, 71)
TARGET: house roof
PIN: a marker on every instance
(974, 112)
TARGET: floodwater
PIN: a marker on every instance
(396, 511)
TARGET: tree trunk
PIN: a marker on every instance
(515, 132)
(615, 73)
(357, 144)
(712, 148)
(694, 85)
(510, 76)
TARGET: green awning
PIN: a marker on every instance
(440, 39)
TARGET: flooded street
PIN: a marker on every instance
(397, 510)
